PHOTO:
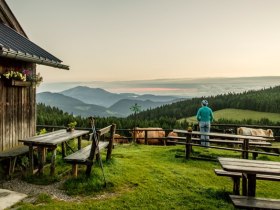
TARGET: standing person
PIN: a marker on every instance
(204, 116)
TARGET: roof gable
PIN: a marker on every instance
(7, 17)
(14, 43)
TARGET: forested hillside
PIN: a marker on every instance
(266, 100)
(167, 116)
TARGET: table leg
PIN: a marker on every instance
(79, 142)
(41, 160)
(244, 185)
(63, 149)
(251, 184)
(52, 171)
(31, 159)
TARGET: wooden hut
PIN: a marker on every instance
(18, 95)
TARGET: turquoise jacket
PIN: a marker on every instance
(204, 114)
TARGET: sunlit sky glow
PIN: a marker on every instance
(109, 40)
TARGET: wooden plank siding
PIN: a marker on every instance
(17, 107)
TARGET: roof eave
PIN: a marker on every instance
(32, 59)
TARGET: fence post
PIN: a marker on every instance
(188, 145)
(245, 148)
(110, 146)
(146, 137)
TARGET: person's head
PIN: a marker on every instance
(204, 103)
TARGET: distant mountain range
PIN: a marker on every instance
(115, 98)
(87, 101)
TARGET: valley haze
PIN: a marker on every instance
(185, 87)
(115, 98)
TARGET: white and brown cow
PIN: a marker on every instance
(254, 132)
(155, 135)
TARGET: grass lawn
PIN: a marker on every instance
(151, 177)
(239, 114)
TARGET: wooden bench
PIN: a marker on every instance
(237, 176)
(254, 203)
(11, 155)
(86, 155)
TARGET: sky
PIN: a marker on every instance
(122, 40)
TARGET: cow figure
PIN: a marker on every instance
(120, 139)
(155, 135)
(172, 134)
(254, 132)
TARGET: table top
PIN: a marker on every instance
(235, 136)
(250, 166)
(53, 138)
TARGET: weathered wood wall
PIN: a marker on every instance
(17, 107)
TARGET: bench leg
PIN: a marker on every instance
(236, 185)
(79, 142)
(53, 162)
(88, 171)
(63, 149)
(251, 184)
(31, 160)
(244, 185)
(74, 170)
(41, 160)
(255, 155)
(11, 166)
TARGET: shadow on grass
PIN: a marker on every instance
(83, 185)
(41, 180)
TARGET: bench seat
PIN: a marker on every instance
(220, 172)
(12, 155)
(254, 203)
(237, 176)
(81, 156)
(15, 151)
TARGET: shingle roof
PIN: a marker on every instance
(16, 46)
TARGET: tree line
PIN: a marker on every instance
(265, 100)
(166, 116)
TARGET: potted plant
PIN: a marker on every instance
(71, 126)
(22, 78)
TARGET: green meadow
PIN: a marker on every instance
(152, 177)
(239, 115)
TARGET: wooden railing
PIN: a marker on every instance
(126, 132)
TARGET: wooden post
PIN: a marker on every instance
(63, 149)
(110, 146)
(53, 162)
(79, 142)
(74, 170)
(236, 185)
(11, 167)
(251, 184)
(31, 159)
(40, 160)
(134, 135)
(245, 148)
(146, 137)
(255, 155)
(244, 185)
(188, 145)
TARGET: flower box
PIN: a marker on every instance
(12, 82)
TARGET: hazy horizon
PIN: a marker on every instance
(184, 87)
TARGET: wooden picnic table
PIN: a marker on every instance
(50, 140)
(249, 170)
(246, 142)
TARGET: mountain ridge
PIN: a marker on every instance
(71, 101)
